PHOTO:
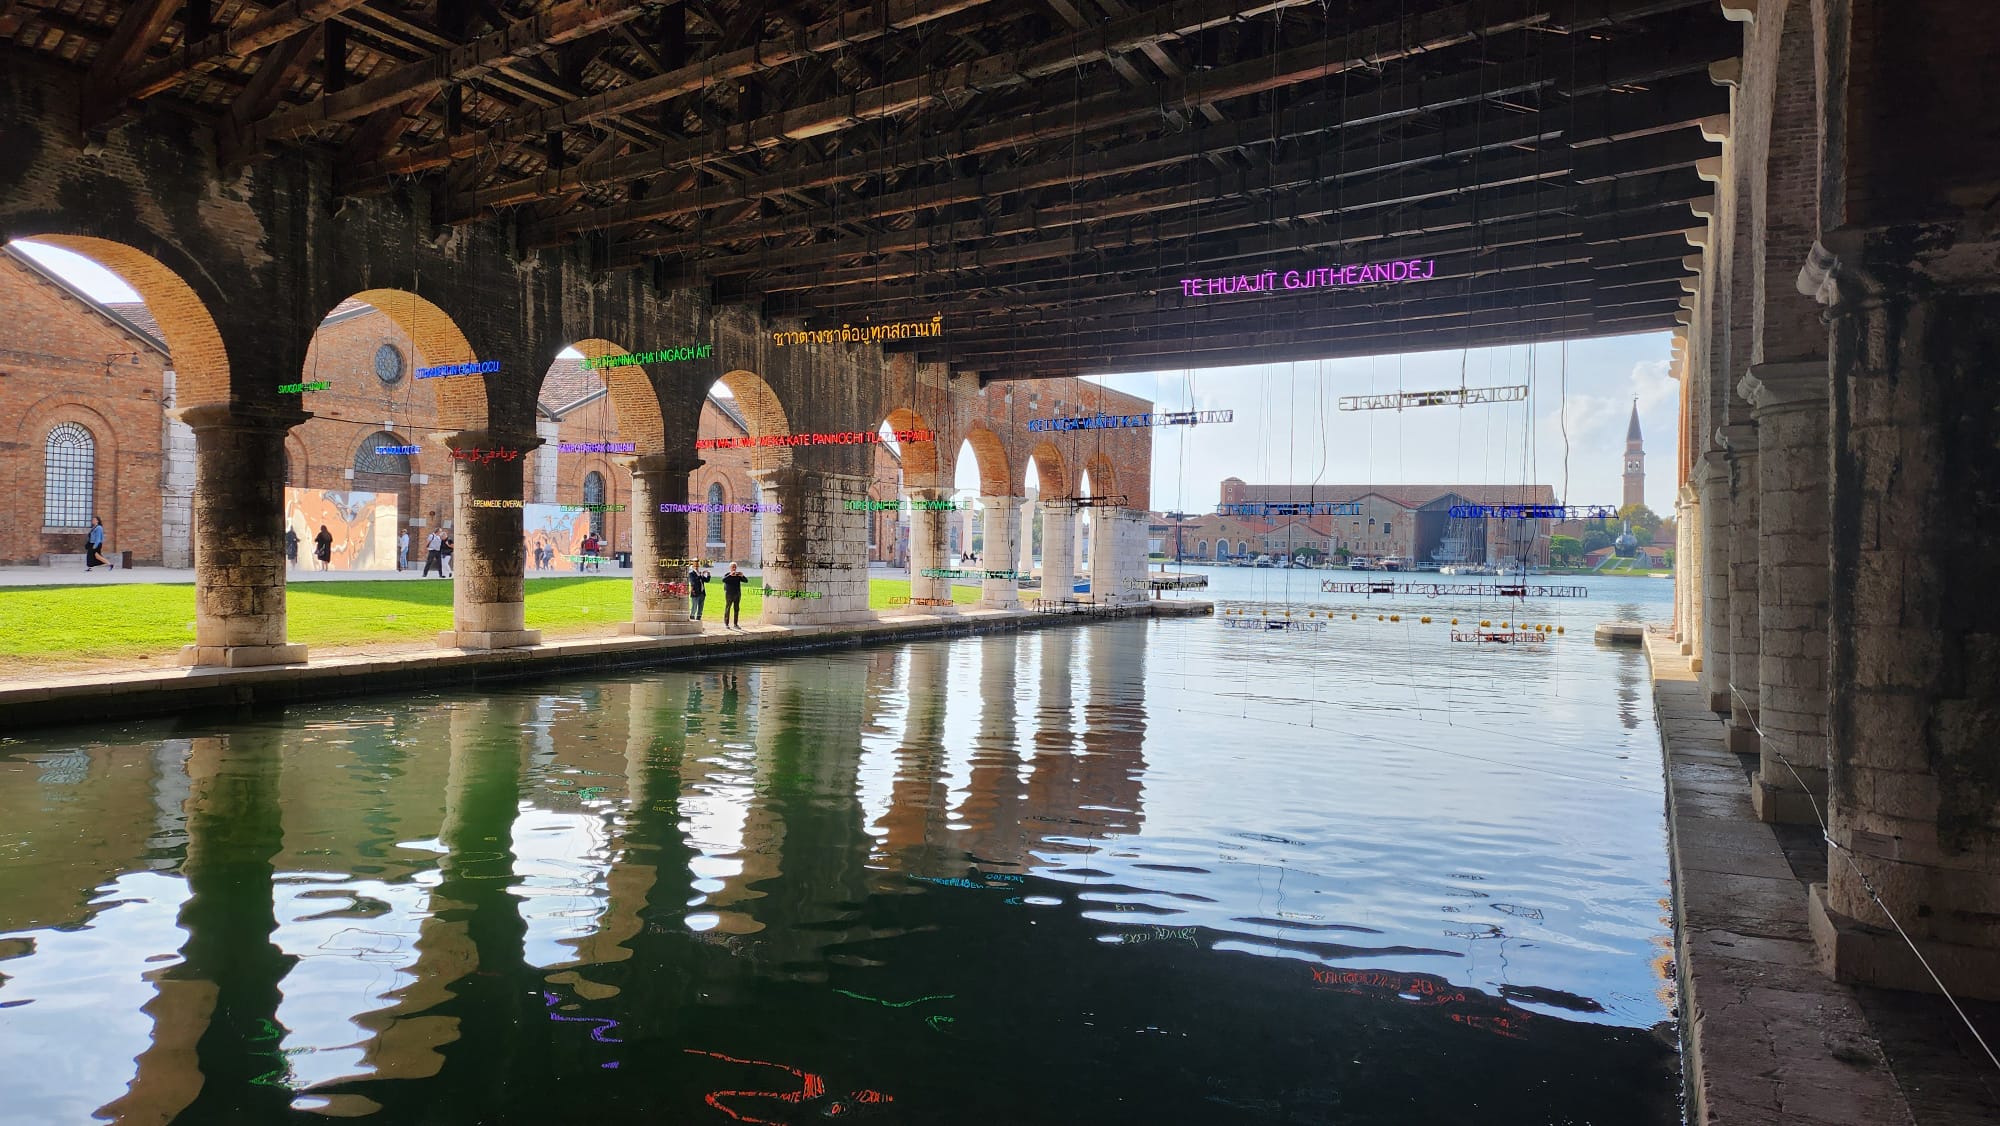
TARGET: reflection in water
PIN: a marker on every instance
(886, 868)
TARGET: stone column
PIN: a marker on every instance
(1740, 442)
(1714, 564)
(659, 479)
(1118, 554)
(1026, 565)
(1687, 571)
(930, 546)
(489, 556)
(1058, 549)
(1003, 524)
(815, 544)
(239, 540)
(1794, 512)
(1913, 770)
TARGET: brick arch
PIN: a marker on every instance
(194, 344)
(1785, 197)
(635, 405)
(295, 449)
(1103, 475)
(1051, 471)
(760, 407)
(461, 399)
(920, 459)
(26, 504)
(996, 469)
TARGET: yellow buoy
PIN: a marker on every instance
(1378, 617)
(1426, 619)
(1559, 629)
(1352, 617)
(1503, 625)
(1485, 621)
(1454, 621)
(1395, 617)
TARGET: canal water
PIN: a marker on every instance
(1135, 872)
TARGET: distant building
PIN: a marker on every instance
(1635, 462)
(1406, 521)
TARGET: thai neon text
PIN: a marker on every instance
(863, 334)
(840, 438)
(475, 367)
(1322, 277)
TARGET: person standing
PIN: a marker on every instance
(433, 555)
(402, 547)
(732, 597)
(93, 557)
(445, 554)
(291, 547)
(697, 590)
(323, 547)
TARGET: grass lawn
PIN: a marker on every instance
(130, 620)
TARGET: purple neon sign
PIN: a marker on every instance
(1323, 277)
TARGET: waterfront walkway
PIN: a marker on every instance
(1768, 1038)
(74, 697)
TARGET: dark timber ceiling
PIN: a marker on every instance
(1041, 172)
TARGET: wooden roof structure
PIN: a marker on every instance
(1042, 173)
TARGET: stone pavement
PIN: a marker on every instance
(1768, 1038)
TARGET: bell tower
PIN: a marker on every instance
(1635, 461)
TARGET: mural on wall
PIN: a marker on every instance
(363, 526)
(555, 530)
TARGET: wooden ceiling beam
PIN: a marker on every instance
(844, 30)
(273, 27)
(522, 39)
(1427, 32)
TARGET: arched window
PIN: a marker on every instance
(715, 515)
(593, 493)
(873, 519)
(1242, 547)
(1201, 547)
(69, 482)
(368, 459)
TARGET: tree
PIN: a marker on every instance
(1565, 550)
(1596, 537)
(1644, 521)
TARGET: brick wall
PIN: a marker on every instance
(61, 361)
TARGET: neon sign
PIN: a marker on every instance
(496, 504)
(1372, 273)
(866, 334)
(811, 1092)
(670, 590)
(772, 593)
(1481, 590)
(1533, 512)
(406, 450)
(1295, 625)
(704, 508)
(664, 356)
(485, 455)
(840, 438)
(296, 388)
(1500, 637)
(602, 1025)
(1129, 421)
(476, 367)
(1290, 508)
(905, 600)
(1463, 396)
(590, 507)
(596, 447)
(953, 573)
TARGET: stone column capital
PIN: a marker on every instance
(484, 440)
(930, 494)
(1738, 439)
(224, 416)
(1797, 386)
(657, 464)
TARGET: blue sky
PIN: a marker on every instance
(1288, 429)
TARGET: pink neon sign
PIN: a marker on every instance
(1270, 281)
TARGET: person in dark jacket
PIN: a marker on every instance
(445, 554)
(732, 597)
(291, 548)
(323, 547)
(697, 590)
(433, 555)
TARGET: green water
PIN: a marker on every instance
(1139, 872)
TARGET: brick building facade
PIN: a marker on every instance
(1410, 522)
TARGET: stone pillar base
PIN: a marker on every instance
(1856, 952)
(1744, 740)
(1784, 805)
(1718, 702)
(683, 627)
(1694, 664)
(242, 656)
(488, 639)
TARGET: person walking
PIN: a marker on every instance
(732, 597)
(445, 554)
(433, 555)
(402, 548)
(323, 547)
(93, 556)
(697, 590)
(291, 547)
